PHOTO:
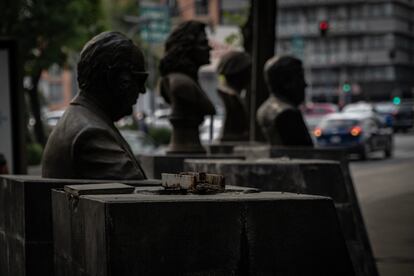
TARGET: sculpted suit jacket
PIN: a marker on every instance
(236, 121)
(283, 124)
(86, 144)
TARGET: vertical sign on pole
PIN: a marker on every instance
(11, 111)
(156, 25)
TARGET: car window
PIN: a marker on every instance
(338, 123)
(405, 108)
(358, 108)
(385, 108)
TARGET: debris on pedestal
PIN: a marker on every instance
(194, 182)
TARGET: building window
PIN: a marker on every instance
(173, 7)
(201, 7)
(355, 12)
(310, 15)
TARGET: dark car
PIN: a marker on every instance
(382, 111)
(386, 110)
(403, 116)
(358, 133)
(315, 112)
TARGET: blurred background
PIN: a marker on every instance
(352, 51)
(358, 57)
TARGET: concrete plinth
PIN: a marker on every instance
(220, 148)
(154, 165)
(26, 242)
(316, 177)
(259, 151)
(232, 233)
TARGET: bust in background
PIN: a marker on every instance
(234, 69)
(279, 116)
(186, 50)
(85, 144)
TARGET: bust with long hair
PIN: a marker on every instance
(186, 50)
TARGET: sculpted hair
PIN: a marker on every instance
(234, 62)
(179, 44)
(278, 72)
(106, 50)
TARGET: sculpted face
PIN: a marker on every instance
(285, 77)
(201, 52)
(298, 87)
(128, 83)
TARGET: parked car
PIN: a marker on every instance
(358, 133)
(403, 116)
(52, 118)
(315, 112)
(160, 119)
(360, 108)
(387, 111)
(369, 109)
(139, 142)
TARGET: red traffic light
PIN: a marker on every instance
(323, 25)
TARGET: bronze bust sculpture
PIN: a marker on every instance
(186, 50)
(235, 70)
(279, 117)
(85, 143)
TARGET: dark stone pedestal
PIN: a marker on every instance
(258, 151)
(252, 151)
(154, 165)
(317, 177)
(220, 148)
(232, 233)
(247, 149)
(26, 242)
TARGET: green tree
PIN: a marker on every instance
(48, 31)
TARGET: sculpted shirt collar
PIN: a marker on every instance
(84, 100)
(227, 90)
(281, 99)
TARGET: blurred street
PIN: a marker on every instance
(385, 188)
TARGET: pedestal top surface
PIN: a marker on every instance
(264, 161)
(220, 197)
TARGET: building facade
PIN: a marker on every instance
(58, 86)
(366, 51)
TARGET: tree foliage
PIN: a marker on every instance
(48, 31)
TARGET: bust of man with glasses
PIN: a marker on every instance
(85, 143)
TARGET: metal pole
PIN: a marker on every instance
(264, 39)
(211, 128)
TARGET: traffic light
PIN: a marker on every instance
(396, 100)
(323, 27)
(346, 87)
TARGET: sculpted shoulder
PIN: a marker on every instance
(271, 108)
(179, 81)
